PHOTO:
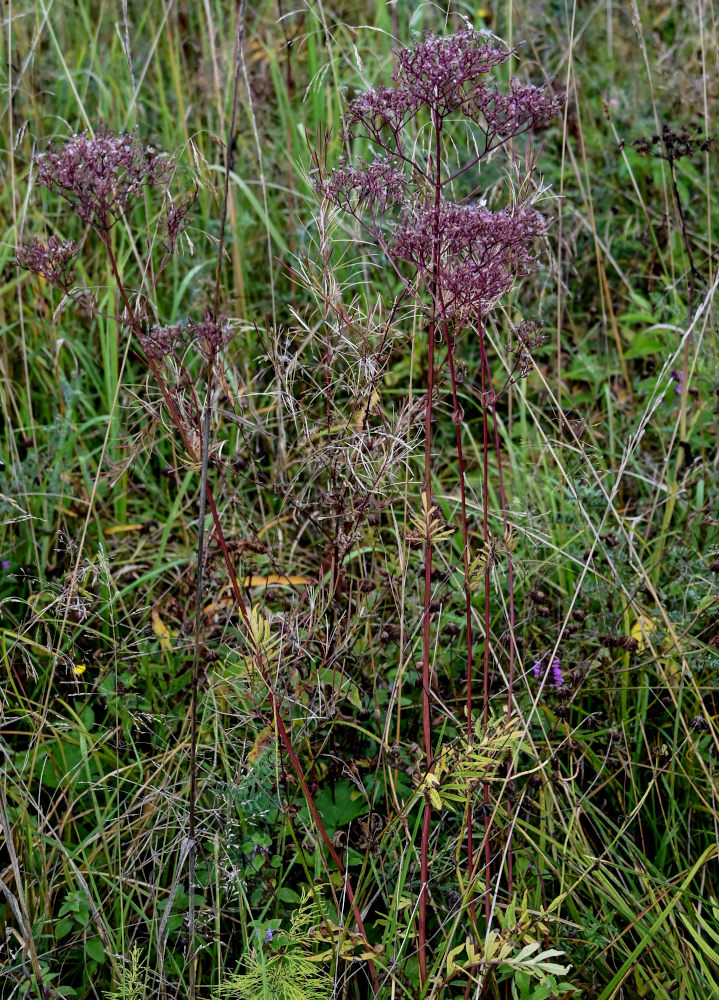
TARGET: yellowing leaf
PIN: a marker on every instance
(453, 965)
(161, 630)
(642, 630)
(263, 740)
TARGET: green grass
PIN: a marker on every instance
(612, 811)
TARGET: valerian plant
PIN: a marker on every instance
(420, 197)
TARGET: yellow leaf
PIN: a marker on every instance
(161, 630)
(642, 630)
(452, 965)
(434, 798)
(263, 740)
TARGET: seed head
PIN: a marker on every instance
(103, 175)
(52, 260)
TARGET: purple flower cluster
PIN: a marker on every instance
(471, 254)
(556, 669)
(162, 342)
(466, 255)
(52, 260)
(376, 186)
(103, 175)
(444, 73)
(446, 76)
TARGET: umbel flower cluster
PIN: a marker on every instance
(464, 253)
(102, 177)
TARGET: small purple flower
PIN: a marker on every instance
(5, 565)
(677, 378)
(554, 666)
(269, 936)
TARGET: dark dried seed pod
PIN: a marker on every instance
(699, 724)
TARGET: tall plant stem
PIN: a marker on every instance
(512, 635)
(426, 638)
(135, 325)
(426, 722)
(457, 419)
(192, 854)
(486, 388)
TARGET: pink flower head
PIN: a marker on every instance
(444, 73)
(103, 175)
(52, 260)
(479, 252)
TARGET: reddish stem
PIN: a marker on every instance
(485, 527)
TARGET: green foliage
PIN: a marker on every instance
(289, 971)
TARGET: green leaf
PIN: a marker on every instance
(95, 950)
(63, 928)
(346, 805)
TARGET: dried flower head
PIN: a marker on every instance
(103, 175)
(470, 254)
(465, 255)
(162, 342)
(674, 145)
(173, 224)
(52, 260)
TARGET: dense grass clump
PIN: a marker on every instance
(359, 551)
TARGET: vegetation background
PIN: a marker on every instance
(611, 470)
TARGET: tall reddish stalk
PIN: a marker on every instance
(464, 257)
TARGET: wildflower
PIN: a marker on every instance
(377, 186)
(269, 936)
(536, 669)
(677, 378)
(557, 676)
(480, 252)
(79, 669)
(466, 253)
(5, 565)
(161, 342)
(103, 175)
(173, 224)
(51, 260)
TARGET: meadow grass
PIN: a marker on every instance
(316, 460)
